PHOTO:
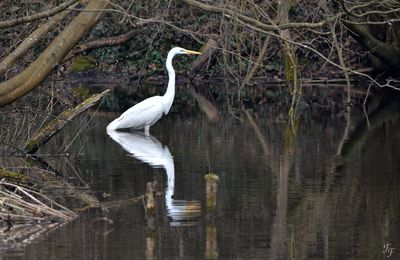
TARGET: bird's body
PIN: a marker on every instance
(147, 112)
(150, 111)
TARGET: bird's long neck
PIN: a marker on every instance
(168, 97)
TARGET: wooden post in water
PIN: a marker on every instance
(150, 199)
(211, 191)
(211, 241)
(150, 220)
(212, 181)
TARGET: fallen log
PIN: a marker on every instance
(45, 133)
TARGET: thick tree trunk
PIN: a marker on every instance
(32, 76)
(387, 53)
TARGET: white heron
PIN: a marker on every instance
(149, 111)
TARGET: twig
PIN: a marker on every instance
(37, 16)
(19, 201)
(305, 46)
(30, 41)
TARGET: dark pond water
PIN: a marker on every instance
(322, 195)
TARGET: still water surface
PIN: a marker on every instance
(311, 197)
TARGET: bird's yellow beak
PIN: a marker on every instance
(192, 52)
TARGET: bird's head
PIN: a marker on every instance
(178, 50)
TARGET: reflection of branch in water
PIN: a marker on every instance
(348, 192)
(209, 109)
(388, 111)
(267, 148)
(345, 135)
(356, 139)
(279, 230)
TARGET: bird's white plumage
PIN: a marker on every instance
(149, 111)
(145, 113)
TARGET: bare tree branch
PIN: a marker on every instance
(32, 76)
(44, 134)
(31, 40)
(305, 46)
(30, 18)
(257, 23)
(110, 41)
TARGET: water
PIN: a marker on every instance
(321, 195)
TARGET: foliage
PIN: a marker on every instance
(83, 63)
(181, 23)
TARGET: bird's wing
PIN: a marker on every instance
(144, 113)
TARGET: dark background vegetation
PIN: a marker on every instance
(363, 34)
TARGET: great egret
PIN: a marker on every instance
(149, 111)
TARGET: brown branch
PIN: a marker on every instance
(351, 11)
(388, 54)
(257, 23)
(318, 53)
(31, 40)
(44, 134)
(110, 41)
(208, 53)
(105, 42)
(29, 202)
(30, 18)
(258, 62)
(209, 109)
(37, 71)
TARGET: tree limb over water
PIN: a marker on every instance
(44, 134)
(366, 22)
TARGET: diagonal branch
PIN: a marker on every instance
(37, 71)
(50, 129)
(257, 23)
(31, 40)
(30, 18)
(110, 41)
(388, 84)
(386, 52)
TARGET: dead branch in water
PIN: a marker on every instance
(44, 133)
(22, 203)
(25, 214)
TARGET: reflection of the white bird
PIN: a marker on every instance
(148, 149)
